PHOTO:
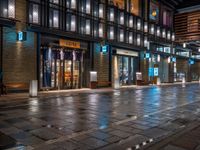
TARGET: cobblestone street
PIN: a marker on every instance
(165, 118)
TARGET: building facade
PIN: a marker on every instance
(59, 42)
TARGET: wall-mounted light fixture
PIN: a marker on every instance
(21, 36)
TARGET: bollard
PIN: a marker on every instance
(33, 89)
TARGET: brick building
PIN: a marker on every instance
(58, 42)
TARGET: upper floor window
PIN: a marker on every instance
(7, 8)
(71, 4)
(54, 1)
(71, 22)
(34, 13)
(117, 3)
(111, 14)
(167, 19)
(135, 7)
(121, 18)
(54, 18)
(85, 6)
(101, 11)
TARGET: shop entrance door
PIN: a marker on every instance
(62, 72)
(127, 70)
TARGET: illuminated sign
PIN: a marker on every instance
(191, 61)
(155, 72)
(104, 49)
(70, 44)
(147, 55)
(21, 36)
(173, 59)
(151, 72)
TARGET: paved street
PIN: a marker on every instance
(165, 118)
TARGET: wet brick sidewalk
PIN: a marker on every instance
(118, 119)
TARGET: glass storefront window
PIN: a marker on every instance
(7, 8)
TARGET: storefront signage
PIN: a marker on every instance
(155, 72)
(125, 52)
(151, 72)
(70, 44)
(21, 36)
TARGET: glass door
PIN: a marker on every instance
(67, 74)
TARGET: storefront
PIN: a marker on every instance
(61, 64)
(125, 65)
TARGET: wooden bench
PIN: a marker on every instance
(17, 86)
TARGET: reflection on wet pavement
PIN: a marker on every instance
(119, 114)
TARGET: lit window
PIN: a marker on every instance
(164, 33)
(71, 4)
(88, 6)
(168, 35)
(131, 21)
(111, 14)
(152, 29)
(11, 8)
(121, 35)
(138, 39)
(145, 27)
(34, 14)
(101, 12)
(73, 23)
(54, 1)
(121, 19)
(145, 41)
(100, 30)
(138, 24)
(158, 31)
(54, 18)
(173, 37)
(111, 33)
(130, 38)
(87, 26)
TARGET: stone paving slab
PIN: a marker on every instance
(100, 120)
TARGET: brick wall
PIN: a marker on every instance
(19, 58)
